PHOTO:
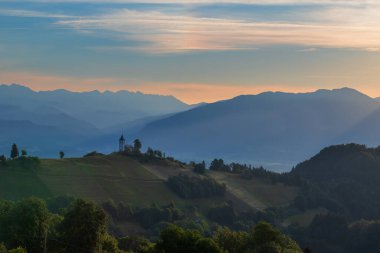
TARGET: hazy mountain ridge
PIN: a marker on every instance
(271, 127)
(71, 118)
(111, 107)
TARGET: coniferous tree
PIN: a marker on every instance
(14, 151)
(137, 146)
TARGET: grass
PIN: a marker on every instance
(304, 219)
(19, 183)
(122, 178)
(102, 178)
(257, 193)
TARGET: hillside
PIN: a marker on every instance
(120, 178)
(345, 179)
(276, 130)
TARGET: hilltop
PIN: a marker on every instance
(121, 178)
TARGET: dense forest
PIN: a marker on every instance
(58, 225)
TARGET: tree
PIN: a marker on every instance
(174, 239)
(14, 151)
(25, 223)
(109, 244)
(83, 226)
(150, 152)
(61, 154)
(137, 146)
(218, 165)
(17, 250)
(3, 159)
(200, 167)
(265, 238)
(232, 241)
(24, 153)
(3, 249)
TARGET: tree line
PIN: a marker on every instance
(76, 225)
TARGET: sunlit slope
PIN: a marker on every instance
(120, 178)
(257, 193)
(99, 178)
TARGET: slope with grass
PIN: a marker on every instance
(258, 193)
(101, 178)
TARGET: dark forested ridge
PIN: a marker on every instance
(349, 175)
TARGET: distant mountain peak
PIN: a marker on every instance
(345, 91)
(16, 87)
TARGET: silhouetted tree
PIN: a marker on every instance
(150, 152)
(137, 146)
(61, 154)
(14, 151)
(218, 165)
(24, 153)
(200, 167)
(3, 159)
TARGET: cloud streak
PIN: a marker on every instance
(159, 32)
(255, 2)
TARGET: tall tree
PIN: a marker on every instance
(14, 151)
(25, 224)
(137, 146)
(83, 226)
(61, 154)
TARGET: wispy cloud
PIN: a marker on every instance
(32, 14)
(256, 2)
(335, 24)
(160, 32)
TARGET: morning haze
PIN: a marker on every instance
(189, 126)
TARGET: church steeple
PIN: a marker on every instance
(121, 143)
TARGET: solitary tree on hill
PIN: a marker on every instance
(61, 154)
(3, 159)
(24, 153)
(137, 146)
(14, 151)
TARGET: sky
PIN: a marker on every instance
(196, 50)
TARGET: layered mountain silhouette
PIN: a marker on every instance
(273, 129)
(48, 121)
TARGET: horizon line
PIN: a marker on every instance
(175, 97)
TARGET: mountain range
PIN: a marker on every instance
(273, 129)
(45, 122)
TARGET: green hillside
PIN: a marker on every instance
(122, 178)
(258, 193)
(100, 178)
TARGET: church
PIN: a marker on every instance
(122, 143)
(124, 147)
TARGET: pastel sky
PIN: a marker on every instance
(196, 50)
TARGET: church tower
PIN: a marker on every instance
(121, 143)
